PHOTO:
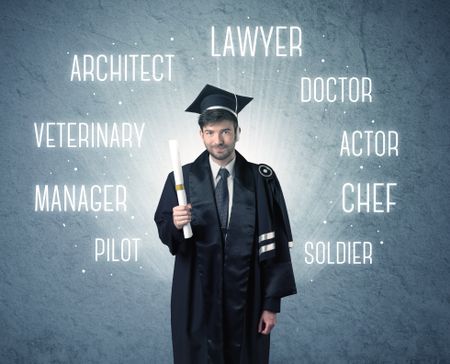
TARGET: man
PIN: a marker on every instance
(230, 276)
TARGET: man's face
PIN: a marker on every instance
(219, 139)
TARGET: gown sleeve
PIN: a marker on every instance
(168, 233)
(278, 275)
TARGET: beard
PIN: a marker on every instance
(221, 152)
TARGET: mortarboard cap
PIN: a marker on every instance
(211, 98)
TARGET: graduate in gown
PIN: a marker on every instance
(230, 276)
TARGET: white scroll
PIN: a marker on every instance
(179, 182)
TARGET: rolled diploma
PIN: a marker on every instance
(179, 182)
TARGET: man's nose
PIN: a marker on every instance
(219, 138)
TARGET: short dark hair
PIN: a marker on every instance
(213, 116)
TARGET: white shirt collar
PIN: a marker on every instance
(215, 167)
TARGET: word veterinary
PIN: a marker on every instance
(84, 135)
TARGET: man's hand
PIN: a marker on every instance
(267, 322)
(181, 215)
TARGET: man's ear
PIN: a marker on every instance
(238, 133)
(200, 132)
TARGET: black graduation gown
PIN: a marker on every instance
(220, 289)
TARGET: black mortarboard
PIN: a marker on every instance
(211, 98)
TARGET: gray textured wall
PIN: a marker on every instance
(59, 305)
